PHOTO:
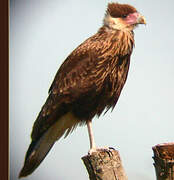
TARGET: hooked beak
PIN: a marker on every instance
(141, 19)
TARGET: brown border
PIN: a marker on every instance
(4, 38)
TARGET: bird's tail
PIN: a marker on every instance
(38, 150)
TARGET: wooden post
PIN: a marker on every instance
(164, 161)
(104, 165)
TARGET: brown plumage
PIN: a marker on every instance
(120, 10)
(89, 81)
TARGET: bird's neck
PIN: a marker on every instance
(125, 39)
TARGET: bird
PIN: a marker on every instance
(88, 83)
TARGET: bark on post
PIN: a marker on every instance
(164, 161)
(104, 165)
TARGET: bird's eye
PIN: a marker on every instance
(124, 16)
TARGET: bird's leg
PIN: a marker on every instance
(91, 137)
(93, 147)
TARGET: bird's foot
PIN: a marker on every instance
(104, 149)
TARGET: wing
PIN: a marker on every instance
(75, 78)
(77, 74)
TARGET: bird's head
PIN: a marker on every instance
(122, 17)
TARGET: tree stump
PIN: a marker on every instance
(164, 161)
(104, 165)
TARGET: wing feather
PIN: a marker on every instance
(74, 78)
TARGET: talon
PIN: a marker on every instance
(109, 151)
(105, 149)
(112, 148)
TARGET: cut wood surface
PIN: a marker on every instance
(104, 165)
(164, 161)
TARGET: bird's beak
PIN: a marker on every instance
(141, 19)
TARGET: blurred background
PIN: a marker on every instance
(42, 34)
